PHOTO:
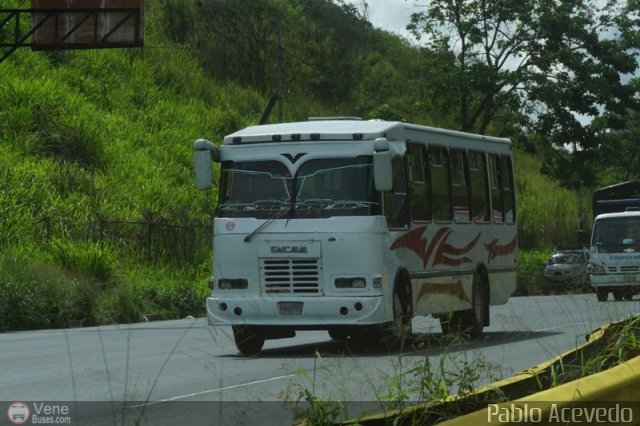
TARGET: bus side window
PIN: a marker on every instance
(460, 186)
(439, 165)
(479, 191)
(495, 177)
(419, 191)
(508, 190)
(395, 201)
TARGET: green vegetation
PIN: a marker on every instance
(96, 189)
(459, 383)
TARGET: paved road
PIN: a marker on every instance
(185, 360)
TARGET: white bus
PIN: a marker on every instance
(355, 227)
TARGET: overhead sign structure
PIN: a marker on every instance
(72, 24)
(86, 24)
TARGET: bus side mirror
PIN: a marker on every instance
(382, 169)
(205, 153)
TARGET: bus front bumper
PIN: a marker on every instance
(301, 312)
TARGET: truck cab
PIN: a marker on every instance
(614, 265)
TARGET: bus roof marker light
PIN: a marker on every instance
(357, 136)
(237, 140)
(276, 138)
(315, 136)
(295, 136)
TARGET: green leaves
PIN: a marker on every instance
(565, 60)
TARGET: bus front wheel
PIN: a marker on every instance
(394, 334)
(400, 329)
(249, 340)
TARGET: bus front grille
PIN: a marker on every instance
(297, 276)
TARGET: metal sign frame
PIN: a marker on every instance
(12, 36)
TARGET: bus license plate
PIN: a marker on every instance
(290, 308)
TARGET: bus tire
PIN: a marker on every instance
(602, 293)
(338, 334)
(400, 329)
(618, 293)
(469, 323)
(249, 340)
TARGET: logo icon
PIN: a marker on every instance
(18, 413)
(288, 249)
(230, 226)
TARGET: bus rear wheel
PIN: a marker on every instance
(618, 293)
(249, 340)
(469, 323)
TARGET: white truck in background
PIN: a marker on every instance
(614, 255)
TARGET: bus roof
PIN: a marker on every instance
(335, 130)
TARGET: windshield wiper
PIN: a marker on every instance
(266, 223)
(312, 203)
(354, 203)
(328, 203)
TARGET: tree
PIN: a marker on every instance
(239, 38)
(558, 63)
(618, 149)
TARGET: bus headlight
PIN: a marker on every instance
(351, 282)
(594, 269)
(233, 284)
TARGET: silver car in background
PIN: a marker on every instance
(566, 270)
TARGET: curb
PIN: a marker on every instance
(521, 392)
(618, 384)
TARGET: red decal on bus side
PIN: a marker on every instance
(496, 250)
(414, 241)
(445, 250)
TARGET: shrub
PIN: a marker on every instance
(530, 267)
(120, 304)
(36, 295)
(181, 299)
(96, 260)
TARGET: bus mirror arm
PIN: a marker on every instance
(382, 169)
(205, 153)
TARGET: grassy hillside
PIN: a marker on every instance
(89, 139)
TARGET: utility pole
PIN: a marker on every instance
(280, 73)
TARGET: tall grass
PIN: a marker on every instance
(36, 295)
(548, 215)
(90, 259)
(530, 267)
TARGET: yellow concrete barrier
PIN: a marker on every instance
(505, 402)
(602, 390)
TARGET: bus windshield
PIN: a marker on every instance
(614, 235)
(320, 188)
